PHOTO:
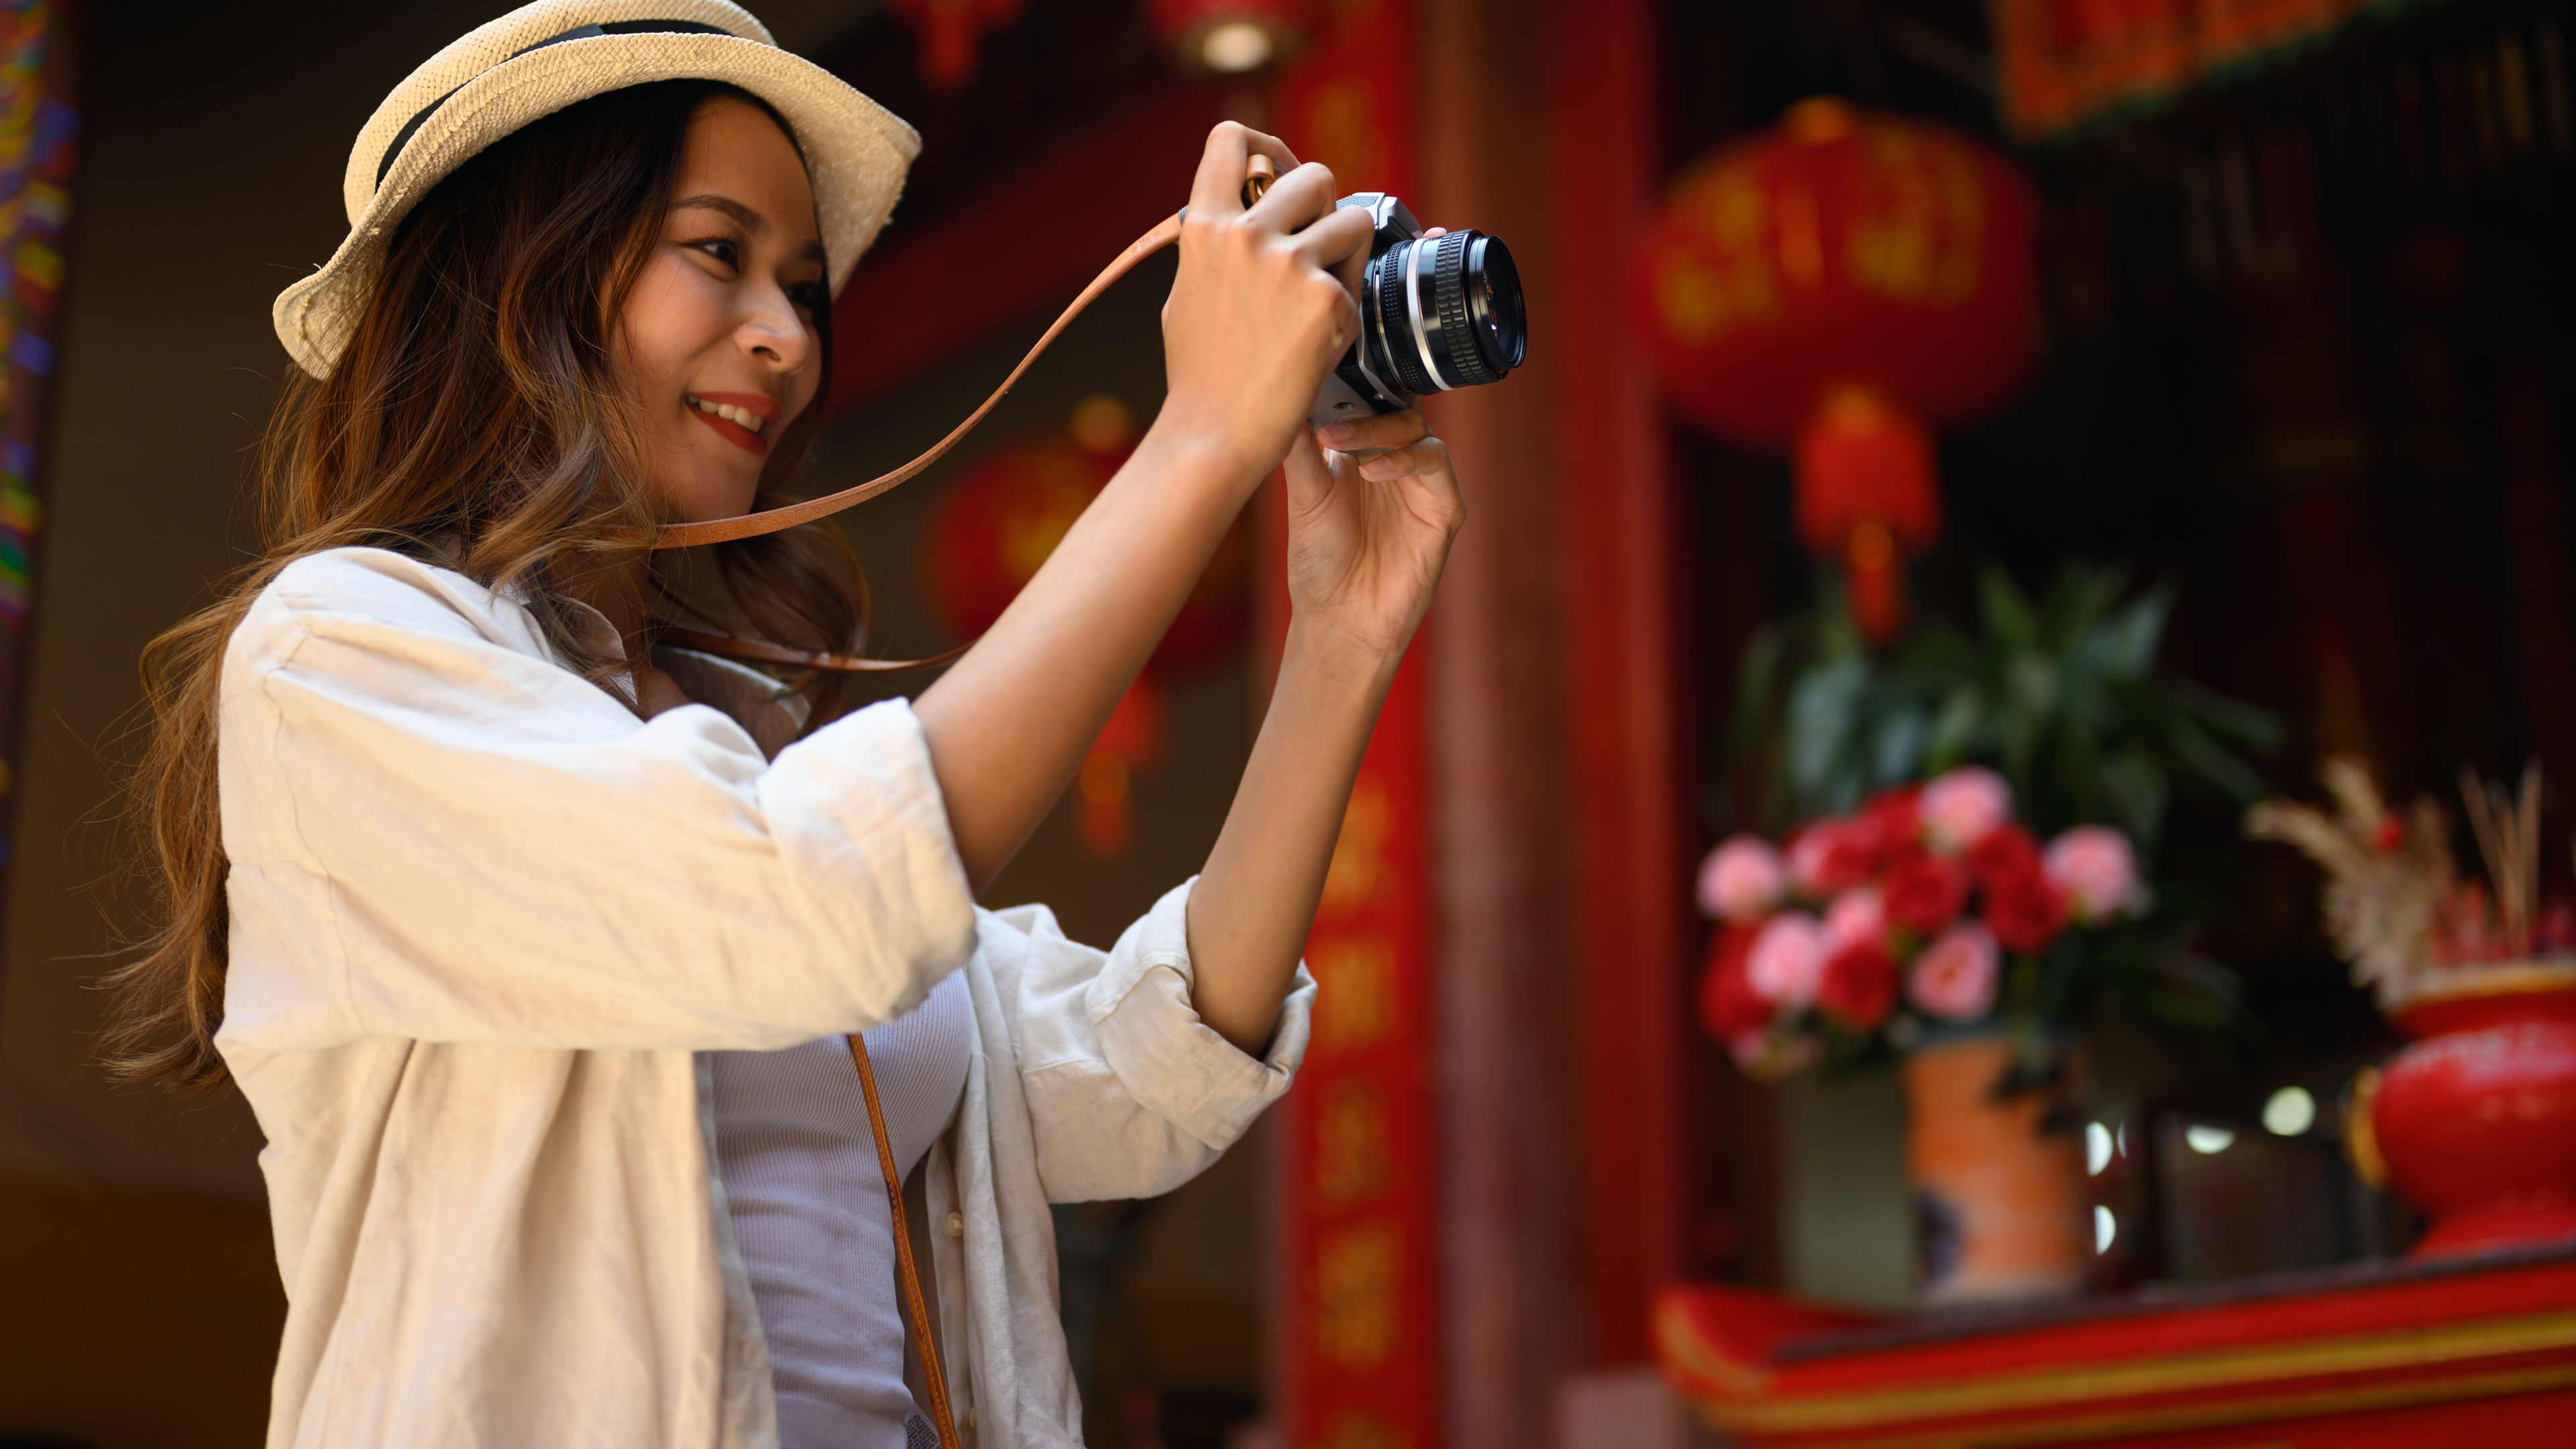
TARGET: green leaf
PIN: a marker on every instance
(2249, 725)
(2007, 614)
(2124, 645)
(1896, 755)
(1955, 730)
(2206, 758)
(2133, 786)
(1824, 715)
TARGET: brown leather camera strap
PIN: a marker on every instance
(934, 1382)
(757, 651)
(1258, 175)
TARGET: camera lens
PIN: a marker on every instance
(1445, 312)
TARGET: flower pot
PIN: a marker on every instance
(2476, 1122)
(1997, 1174)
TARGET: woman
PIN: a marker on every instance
(530, 943)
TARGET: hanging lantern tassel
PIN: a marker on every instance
(952, 34)
(1867, 500)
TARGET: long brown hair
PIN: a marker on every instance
(476, 420)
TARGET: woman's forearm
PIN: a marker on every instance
(1256, 315)
(1256, 899)
(1009, 723)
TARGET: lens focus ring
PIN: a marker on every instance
(1457, 330)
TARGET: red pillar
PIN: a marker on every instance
(1362, 1353)
(1633, 779)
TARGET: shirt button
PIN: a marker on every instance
(956, 1227)
(970, 1409)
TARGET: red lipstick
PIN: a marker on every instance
(732, 432)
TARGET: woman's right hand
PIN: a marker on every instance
(1258, 313)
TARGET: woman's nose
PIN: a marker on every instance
(775, 333)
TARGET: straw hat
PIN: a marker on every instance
(540, 58)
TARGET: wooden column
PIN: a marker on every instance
(1633, 777)
(1502, 862)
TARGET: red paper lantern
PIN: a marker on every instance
(1839, 285)
(1229, 37)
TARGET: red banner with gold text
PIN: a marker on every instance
(1362, 1352)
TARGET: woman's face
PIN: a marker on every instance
(719, 331)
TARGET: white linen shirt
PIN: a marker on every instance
(486, 924)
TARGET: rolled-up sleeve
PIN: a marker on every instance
(1130, 1093)
(437, 835)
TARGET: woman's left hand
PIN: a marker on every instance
(1366, 541)
(1367, 537)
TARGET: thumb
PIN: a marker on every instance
(1310, 478)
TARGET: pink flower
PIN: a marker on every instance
(1741, 880)
(1787, 962)
(1954, 979)
(1855, 916)
(1962, 805)
(1831, 855)
(2096, 869)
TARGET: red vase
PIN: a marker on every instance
(2476, 1122)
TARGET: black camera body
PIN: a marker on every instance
(1436, 314)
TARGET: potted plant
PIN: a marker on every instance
(1966, 883)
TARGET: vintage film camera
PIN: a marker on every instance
(1436, 314)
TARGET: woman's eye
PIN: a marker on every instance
(723, 249)
(812, 296)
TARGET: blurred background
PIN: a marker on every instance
(2141, 402)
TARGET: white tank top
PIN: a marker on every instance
(808, 1204)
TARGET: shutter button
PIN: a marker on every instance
(956, 1227)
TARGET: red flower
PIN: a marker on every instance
(1728, 1005)
(1831, 856)
(2025, 911)
(1860, 985)
(1924, 893)
(2005, 853)
(1894, 822)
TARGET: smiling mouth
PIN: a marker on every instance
(732, 422)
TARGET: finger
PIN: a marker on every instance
(1433, 495)
(1217, 189)
(1337, 237)
(1381, 430)
(1309, 476)
(1426, 457)
(1296, 199)
(1435, 233)
(1433, 482)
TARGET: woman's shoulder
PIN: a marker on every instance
(376, 582)
(374, 587)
